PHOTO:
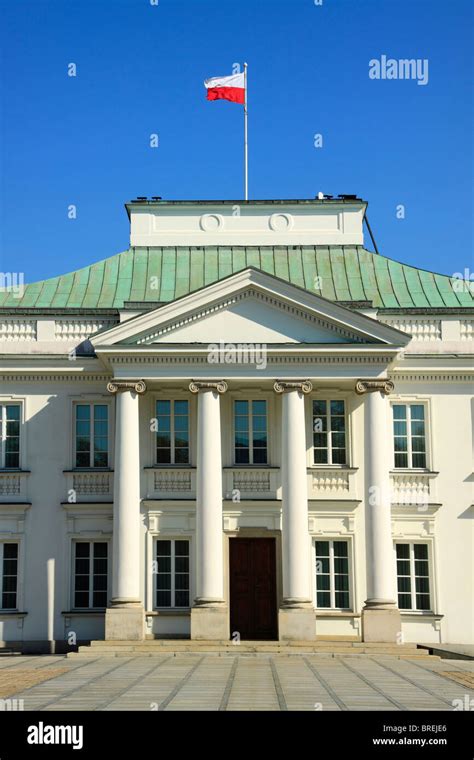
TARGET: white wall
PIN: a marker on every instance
(46, 529)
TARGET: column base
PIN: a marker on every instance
(210, 622)
(296, 623)
(125, 622)
(381, 622)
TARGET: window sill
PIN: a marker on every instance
(12, 613)
(322, 612)
(79, 613)
(251, 467)
(178, 611)
(170, 467)
(336, 467)
(421, 613)
(413, 471)
(88, 469)
(14, 471)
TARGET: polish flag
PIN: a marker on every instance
(226, 88)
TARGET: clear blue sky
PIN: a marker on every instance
(140, 70)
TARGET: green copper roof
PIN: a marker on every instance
(348, 273)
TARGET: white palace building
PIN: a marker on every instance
(245, 425)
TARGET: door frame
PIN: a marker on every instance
(256, 533)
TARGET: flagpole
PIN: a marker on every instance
(246, 147)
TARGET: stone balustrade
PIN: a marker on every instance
(89, 486)
(412, 488)
(172, 482)
(13, 485)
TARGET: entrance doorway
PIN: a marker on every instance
(253, 600)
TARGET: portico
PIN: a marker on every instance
(210, 608)
(283, 472)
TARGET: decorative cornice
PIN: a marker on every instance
(284, 386)
(118, 386)
(208, 385)
(288, 357)
(419, 376)
(371, 386)
(43, 377)
(251, 293)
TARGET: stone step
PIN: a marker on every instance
(196, 644)
(248, 650)
(185, 646)
(235, 650)
(124, 653)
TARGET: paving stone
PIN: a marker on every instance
(201, 681)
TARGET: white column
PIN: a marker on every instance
(208, 617)
(381, 576)
(126, 527)
(296, 620)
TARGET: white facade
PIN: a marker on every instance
(321, 479)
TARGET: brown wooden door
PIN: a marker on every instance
(253, 603)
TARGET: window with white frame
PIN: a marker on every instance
(91, 435)
(172, 573)
(90, 574)
(172, 431)
(329, 432)
(8, 576)
(413, 576)
(250, 432)
(10, 416)
(332, 575)
(409, 435)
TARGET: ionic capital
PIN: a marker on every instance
(284, 386)
(208, 385)
(118, 386)
(371, 386)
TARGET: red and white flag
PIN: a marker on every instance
(226, 88)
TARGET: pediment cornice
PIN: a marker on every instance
(254, 294)
(345, 324)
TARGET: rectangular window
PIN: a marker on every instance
(413, 577)
(172, 432)
(8, 576)
(332, 575)
(10, 435)
(329, 432)
(250, 432)
(409, 435)
(172, 573)
(92, 435)
(90, 574)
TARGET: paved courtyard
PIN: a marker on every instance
(240, 682)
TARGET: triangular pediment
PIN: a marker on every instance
(250, 306)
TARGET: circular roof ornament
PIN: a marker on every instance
(281, 222)
(211, 222)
